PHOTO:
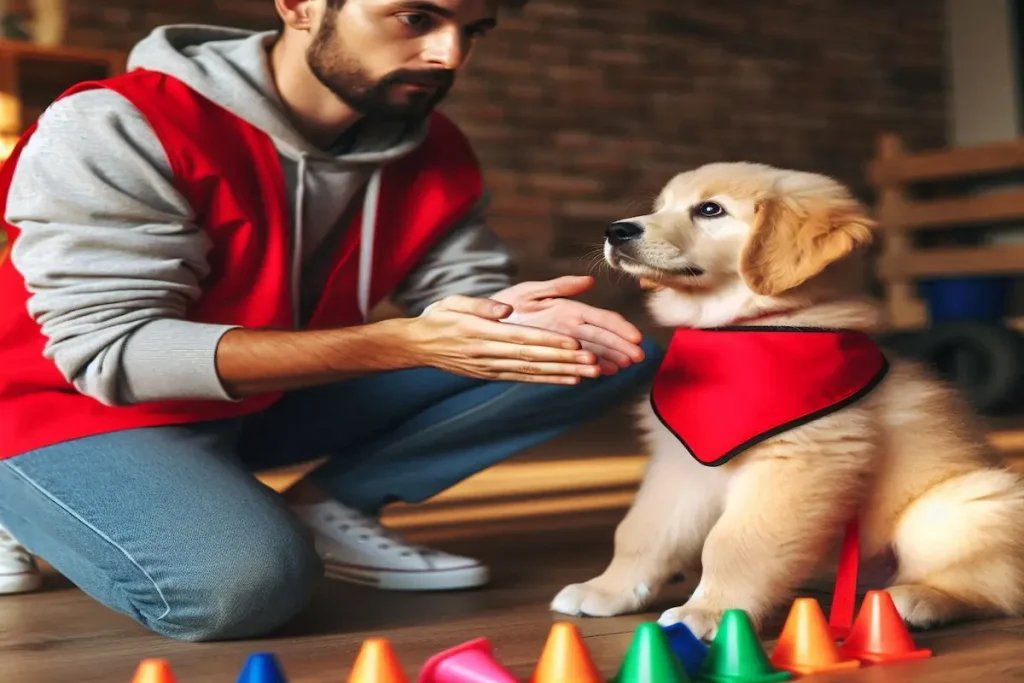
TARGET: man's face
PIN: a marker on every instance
(396, 59)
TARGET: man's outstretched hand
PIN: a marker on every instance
(545, 305)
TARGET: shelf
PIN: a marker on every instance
(32, 76)
(1002, 260)
(960, 211)
(902, 264)
(946, 164)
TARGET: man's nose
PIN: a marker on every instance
(621, 232)
(447, 50)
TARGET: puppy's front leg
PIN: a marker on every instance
(783, 510)
(674, 508)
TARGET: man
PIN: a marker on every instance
(196, 248)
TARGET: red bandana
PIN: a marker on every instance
(723, 390)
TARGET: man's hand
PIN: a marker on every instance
(463, 335)
(607, 334)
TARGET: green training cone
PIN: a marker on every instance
(650, 659)
(737, 656)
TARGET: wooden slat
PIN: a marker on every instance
(996, 206)
(10, 96)
(903, 308)
(948, 163)
(973, 261)
(19, 48)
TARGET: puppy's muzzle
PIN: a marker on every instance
(621, 232)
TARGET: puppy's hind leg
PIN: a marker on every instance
(960, 550)
(661, 534)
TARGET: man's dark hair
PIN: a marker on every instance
(514, 4)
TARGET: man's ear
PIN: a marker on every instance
(296, 14)
(792, 242)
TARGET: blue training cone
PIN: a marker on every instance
(687, 647)
(262, 667)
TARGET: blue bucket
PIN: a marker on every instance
(967, 298)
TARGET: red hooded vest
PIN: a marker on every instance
(230, 173)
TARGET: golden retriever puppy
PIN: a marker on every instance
(735, 246)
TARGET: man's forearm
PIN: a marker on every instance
(261, 361)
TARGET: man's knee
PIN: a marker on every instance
(246, 591)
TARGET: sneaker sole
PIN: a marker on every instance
(11, 584)
(436, 580)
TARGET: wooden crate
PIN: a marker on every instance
(901, 265)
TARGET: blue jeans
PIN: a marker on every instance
(169, 526)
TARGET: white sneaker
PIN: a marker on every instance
(358, 549)
(18, 570)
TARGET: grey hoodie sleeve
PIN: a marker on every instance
(471, 260)
(111, 256)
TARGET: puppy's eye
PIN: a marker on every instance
(710, 210)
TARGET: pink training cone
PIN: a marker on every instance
(471, 662)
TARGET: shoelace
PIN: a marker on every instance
(367, 529)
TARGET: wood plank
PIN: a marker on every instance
(947, 163)
(947, 213)
(18, 48)
(10, 101)
(903, 308)
(1003, 259)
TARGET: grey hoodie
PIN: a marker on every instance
(111, 252)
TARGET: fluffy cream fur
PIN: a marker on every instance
(909, 458)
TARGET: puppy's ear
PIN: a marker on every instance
(790, 243)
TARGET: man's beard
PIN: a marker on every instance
(342, 74)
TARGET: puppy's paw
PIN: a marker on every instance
(595, 600)
(702, 620)
(924, 607)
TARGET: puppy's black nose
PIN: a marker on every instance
(622, 232)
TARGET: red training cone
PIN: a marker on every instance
(879, 634)
(471, 662)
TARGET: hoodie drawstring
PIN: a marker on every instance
(300, 201)
(370, 203)
(366, 235)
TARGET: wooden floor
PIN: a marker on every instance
(60, 635)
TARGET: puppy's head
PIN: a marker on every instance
(764, 230)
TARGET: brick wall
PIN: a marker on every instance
(582, 109)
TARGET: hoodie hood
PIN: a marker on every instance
(231, 67)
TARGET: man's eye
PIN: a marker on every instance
(414, 19)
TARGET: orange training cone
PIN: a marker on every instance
(806, 646)
(154, 671)
(565, 658)
(377, 663)
(879, 634)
